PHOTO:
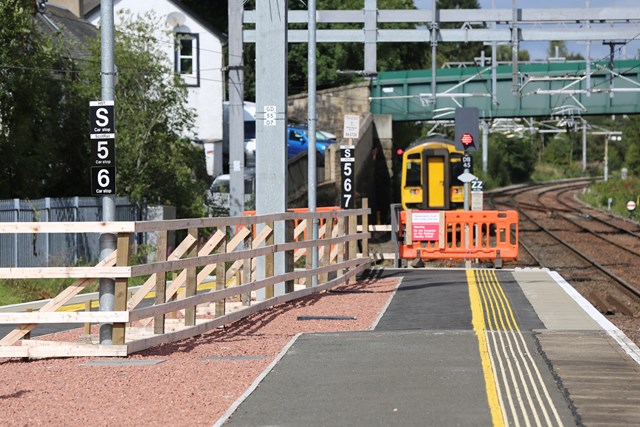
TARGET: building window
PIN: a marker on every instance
(187, 61)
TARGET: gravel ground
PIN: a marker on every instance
(185, 389)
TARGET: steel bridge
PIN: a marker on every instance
(545, 89)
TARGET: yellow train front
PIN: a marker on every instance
(430, 171)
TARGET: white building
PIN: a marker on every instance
(194, 48)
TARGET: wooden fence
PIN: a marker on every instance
(221, 249)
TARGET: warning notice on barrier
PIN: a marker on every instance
(425, 225)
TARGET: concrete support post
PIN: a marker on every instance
(271, 121)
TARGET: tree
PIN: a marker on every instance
(155, 160)
(560, 47)
(505, 54)
(41, 150)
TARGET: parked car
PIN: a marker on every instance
(217, 199)
(298, 140)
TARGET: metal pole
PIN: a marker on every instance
(236, 110)
(494, 64)
(311, 119)
(434, 44)
(485, 145)
(515, 87)
(584, 146)
(107, 241)
(606, 158)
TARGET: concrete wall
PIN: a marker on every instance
(332, 105)
(374, 155)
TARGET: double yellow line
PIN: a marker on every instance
(515, 388)
(480, 328)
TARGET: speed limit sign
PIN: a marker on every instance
(347, 163)
(103, 155)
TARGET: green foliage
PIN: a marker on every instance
(619, 191)
(156, 162)
(511, 161)
(42, 150)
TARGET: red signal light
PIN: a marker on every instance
(399, 151)
(466, 139)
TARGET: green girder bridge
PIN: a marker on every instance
(575, 88)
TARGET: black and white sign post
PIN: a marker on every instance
(347, 167)
(103, 147)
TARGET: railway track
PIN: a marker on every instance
(599, 254)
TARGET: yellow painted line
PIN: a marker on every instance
(94, 303)
(479, 328)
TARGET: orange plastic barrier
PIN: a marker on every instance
(483, 235)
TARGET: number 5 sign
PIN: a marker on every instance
(347, 163)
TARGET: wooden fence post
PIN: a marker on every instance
(308, 253)
(289, 285)
(341, 246)
(87, 326)
(191, 283)
(161, 283)
(246, 270)
(221, 276)
(365, 227)
(121, 291)
(326, 256)
(268, 261)
(353, 244)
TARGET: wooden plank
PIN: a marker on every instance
(365, 225)
(67, 227)
(190, 282)
(214, 295)
(221, 281)
(246, 273)
(179, 281)
(269, 264)
(353, 245)
(157, 278)
(140, 345)
(64, 317)
(38, 349)
(375, 227)
(61, 299)
(64, 272)
(121, 288)
(326, 255)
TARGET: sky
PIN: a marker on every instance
(538, 50)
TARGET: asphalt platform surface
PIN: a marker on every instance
(420, 366)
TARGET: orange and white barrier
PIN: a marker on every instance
(482, 235)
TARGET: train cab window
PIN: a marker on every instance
(456, 171)
(413, 174)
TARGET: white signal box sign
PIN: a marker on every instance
(351, 127)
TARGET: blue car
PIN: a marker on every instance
(298, 140)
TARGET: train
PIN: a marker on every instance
(430, 171)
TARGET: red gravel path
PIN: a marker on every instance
(184, 390)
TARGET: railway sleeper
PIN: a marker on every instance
(602, 305)
(619, 305)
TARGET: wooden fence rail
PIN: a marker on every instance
(219, 251)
